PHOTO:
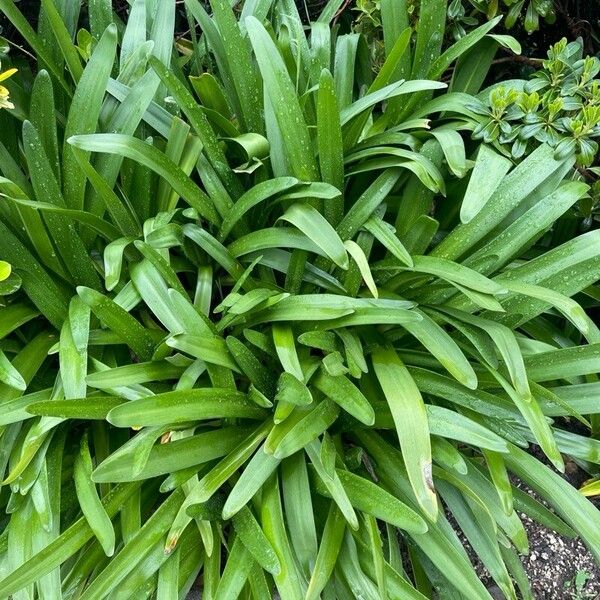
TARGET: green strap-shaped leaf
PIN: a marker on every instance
(294, 433)
(254, 196)
(100, 13)
(385, 234)
(284, 102)
(342, 391)
(299, 510)
(330, 10)
(70, 248)
(239, 60)
(224, 469)
(568, 502)
(85, 111)
(329, 549)
(478, 527)
(568, 307)
(489, 170)
(516, 186)
(408, 410)
(201, 125)
(151, 157)
(92, 407)
(72, 349)
(329, 143)
(117, 209)
(289, 581)
(499, 475)
(362, 263)
(565, 363)
(209, 349)
(310, 222)
(537, 422)
(255, 541)
(389, 91)
(9, 375)
(48, 295)
(236, 571)
(449, 424)
(367, 203)
(89, 500)
(153, 290)
(445, 454)
(506, 343)
(332, 483)
(292, 391)
(135, 373)
(444, 348)
(454, 150)
(41, 114)
(460, 47)
(118, 320)
(346, 50)
(257, 471)
(371, 498)
(21, 23)
(440, 544)
(432, 22)
(167, 458)
(525, 230)
(63, 38)
(321, 307)
(396, 37)
(94, 223)
(181, 406)
(446, 269)
(274, 237)
(135, 32)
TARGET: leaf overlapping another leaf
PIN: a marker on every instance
(286, 373)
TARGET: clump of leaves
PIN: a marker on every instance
(558, 106)
(272, 339)
(462, 16)
(530, 11)
(368, 23)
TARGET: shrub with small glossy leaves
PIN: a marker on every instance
(558, 106)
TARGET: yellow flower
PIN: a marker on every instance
(4, 101)
(5, 270)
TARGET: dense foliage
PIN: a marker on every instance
(272, 318)
(464, 15)
(558, 106)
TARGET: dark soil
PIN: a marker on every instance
(558, 568)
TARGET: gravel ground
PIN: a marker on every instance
(558, 568)
(561, 568)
